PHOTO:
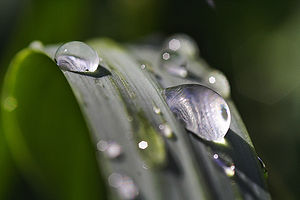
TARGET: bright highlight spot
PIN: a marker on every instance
(143, 145)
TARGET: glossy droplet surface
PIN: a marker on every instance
(182, 44)
(77, 57)
(202, 111)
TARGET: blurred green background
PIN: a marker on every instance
(255, 43)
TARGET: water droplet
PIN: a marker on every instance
(77, 56)
(218, 82)
(115, 180)
(156, 110)
(38, 45)
(10, 104)
(111, 149)
(166, 130)
(129, 118)
(174, 64)
(229, 169)
(143, 145)
(182, 44)
(143, 66)
(124, 184)
(200, 109)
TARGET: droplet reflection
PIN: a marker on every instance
(202, 111)
(77, 57)
(143, 145)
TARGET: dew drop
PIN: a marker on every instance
(143, 66)
(124, 184)
(202, 111)
(156, 110)
(111, 149)
(174, 64)
(77, 57)
(217, 81)
(38, 45)
(166, 130)
(229, 169)
(145, 166)
(182, 44)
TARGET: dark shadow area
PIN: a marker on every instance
(99, 73)
(242, 155)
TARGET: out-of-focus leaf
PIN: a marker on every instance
(45, 131)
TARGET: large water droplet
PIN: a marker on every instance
(182, 44)
(203, 111)
(218, 82)
(77, 56)
(174, 63)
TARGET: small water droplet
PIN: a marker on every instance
(77, 57)
(129, 118)
(166, 130)
(145, 166)
(38, 45)
(229, 169)
(182, 44)
(200, 109)
(218, 82)
(156, 110)
(166, 56)
(115, 180)
(10, 104)
(174, 64)
(143, 145)
(143, 66)
(111, 149)
(124, 184)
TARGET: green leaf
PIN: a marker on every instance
(47, 134)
